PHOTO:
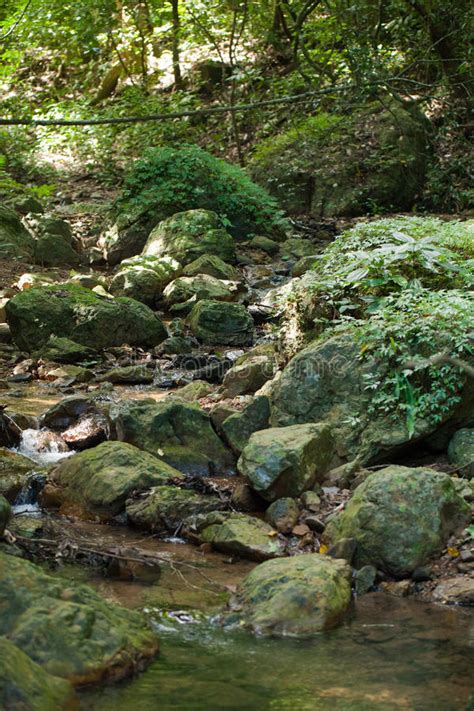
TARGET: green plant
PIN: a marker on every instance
(168, 180)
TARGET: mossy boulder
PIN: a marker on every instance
(238, 427)
(52, 250)
(196, 288)
(213, 266)
(133, 374)
(144, 278)
(461, 451)
(249, 376)
(81, 315)
(188, 235)
(99, 480)
(25, 685)
(15, 240)
(237, 534)
(195, 390)
(178, 432)
(64, 350)
(285, 461)
(69, 630)
(293, 597)
(14, 470)
(400, 517)
(5, 512)
(341, 165)
(220, 323)
(164, 508)
(283, 514)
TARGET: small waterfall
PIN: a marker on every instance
(42, 446)
(27, 500)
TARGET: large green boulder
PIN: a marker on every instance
(25, 685)
(219, 323)
(294, 597)
(335, 164)
(285, 461)
(178, 432)
(213, 266)
(400, 517)
(81, 315)
(461, 451)
(100, 479)
(164, 508)
(188, 235)
(69, 630)
(51, 250)
(14, 470)
(144, 278)
(237, 534)
(15, 240)
(5, 512)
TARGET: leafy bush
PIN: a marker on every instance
(169, 180)
(418, 336)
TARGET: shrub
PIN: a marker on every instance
(168, 180)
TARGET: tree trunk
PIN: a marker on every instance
(178, 78)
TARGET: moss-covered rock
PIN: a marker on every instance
(14, 470)
(294, 597)
(461, 451)
(334, 164)
(52, 250)
(164, 509)
(196, 288)
(133, 374)
(69, 630)
(213, 266)
(238, 427)
(282, 514)
(15, 240)
(100, 479)
(178, 432)
(81, 315)
(195, 390)
(237, 534)
(400, 517)
(285, 461)
(265, 244)
(144, 278)
(64, 350)
(188, 235)
(219, 323)
(249, 376)
(5, 512)
(25, 685)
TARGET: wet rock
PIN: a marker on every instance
(178, 432)
(87, 432)
(285, 461)
(461, 451)
(458, 590)
(163, 509)
(66, 412)
(14, 470)
(365, 579)
(282, 514)
(400, 517)
(99, 480)
(294, 597)
(249, 376)
(5, 513)
(63, 350)
(15, 239)
(25, 685)
(70, 631)
(220, 323)
(81, 315)
(237, 534)
(188, 235)
(213, 266)
(238, 427)
(133, 374)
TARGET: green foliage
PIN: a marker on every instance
(168, 180)
(403, 337)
